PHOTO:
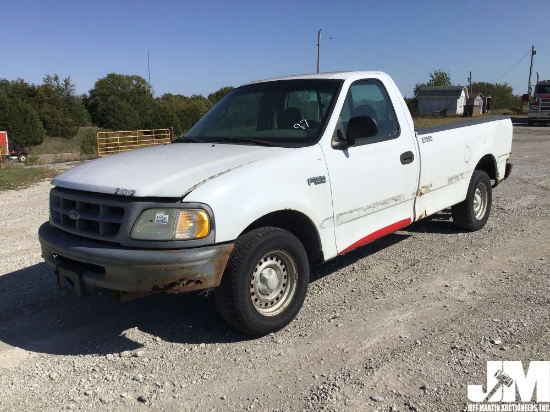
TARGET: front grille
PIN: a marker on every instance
(97, 218)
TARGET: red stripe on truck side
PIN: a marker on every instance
(378, 234)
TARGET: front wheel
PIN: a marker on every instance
(473, 212)
(265, 281)
(22, 157)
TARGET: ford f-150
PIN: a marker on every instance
(279, 175)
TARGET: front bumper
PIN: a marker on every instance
(78, 261)
(539, 116)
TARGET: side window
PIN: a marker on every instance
(370, 98)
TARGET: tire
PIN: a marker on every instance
(473, 212)
(21, 158)
(530, 122)
(265, 281)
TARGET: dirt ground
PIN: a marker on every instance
(403, 324)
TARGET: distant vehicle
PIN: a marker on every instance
(12, 150)
(539, 109)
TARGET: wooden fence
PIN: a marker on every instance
(122, 141)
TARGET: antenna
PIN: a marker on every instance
(149, 68)
(318, 50)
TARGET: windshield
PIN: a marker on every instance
(542, 89)
(284, 112)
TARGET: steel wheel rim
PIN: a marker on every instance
(480, 201)
(273, 283)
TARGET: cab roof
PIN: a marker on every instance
(318, 76)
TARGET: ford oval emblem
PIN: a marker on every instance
(73, 214)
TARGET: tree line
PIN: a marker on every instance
(502, 94)
(116, 102)
(126, 102)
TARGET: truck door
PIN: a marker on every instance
(373, 182)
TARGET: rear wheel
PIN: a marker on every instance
(22, 157)
(265, 281)
(472, 214)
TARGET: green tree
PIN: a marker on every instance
(188, 109)
(437, 78)
(195, 107)
(4, 111)
(21, 121)
(54, 113)
(219, 94)
(60, 110)
(130, 93)
(412, 104)
(164, 115)
(73, 105)
(117, 114)
(17, 89)
(502, 94)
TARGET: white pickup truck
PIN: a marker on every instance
(280, 174)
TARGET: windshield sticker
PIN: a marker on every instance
(161, 218)
(300, 125)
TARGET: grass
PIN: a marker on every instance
(426, 121)
(54, 145)
(19, 177)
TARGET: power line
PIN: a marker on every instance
(528, 51)
(411, 64)
(388, 62)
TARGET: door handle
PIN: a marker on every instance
(407, 158)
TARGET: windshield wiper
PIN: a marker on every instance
(183, 139)
(240, 140)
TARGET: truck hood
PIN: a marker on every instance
(172, 170)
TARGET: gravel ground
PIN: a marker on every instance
(402, 324)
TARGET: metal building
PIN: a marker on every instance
(474, 105)
(442, 99)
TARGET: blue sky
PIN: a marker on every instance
(197, 47)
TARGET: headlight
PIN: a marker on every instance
(171, 224)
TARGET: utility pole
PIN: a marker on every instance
(470, 82)
(533, 52)
(318, 50)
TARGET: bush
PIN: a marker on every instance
(88, 144)
(31, 160)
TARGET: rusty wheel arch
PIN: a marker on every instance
(299, 225)
(489, 165)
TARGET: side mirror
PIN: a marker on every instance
(361, 127)
(339, 141)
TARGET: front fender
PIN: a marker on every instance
(297, 180)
